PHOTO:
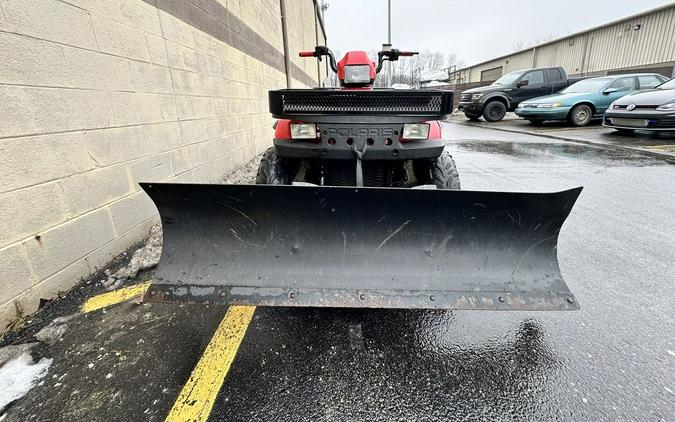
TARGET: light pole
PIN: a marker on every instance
(389, 41)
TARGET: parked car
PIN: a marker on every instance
(651, 110)
(586, 100)
(493, 101)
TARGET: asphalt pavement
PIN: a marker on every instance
(612, 360)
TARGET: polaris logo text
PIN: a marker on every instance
(360, 132)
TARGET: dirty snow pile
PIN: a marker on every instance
(144, 258)
(18, 372)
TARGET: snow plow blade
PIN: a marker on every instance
(360, 247)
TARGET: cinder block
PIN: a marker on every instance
(175, 30)
(93, 70)
(25, 212)
(16, 111)
(194, 130)
(180, 161)
(186, 83)
(33, 160)
(94, 189)
(175, 56)
(62, 245)
(119, 39)
(116, 145)
(50, 20)
(152, 78)
(57, 110)
(168, 106)
(190, 107)
(152, 169)
(54, 285)
(102, 256)
(15, 272)
(157, 49)
(131, 108)
(28, 61)
(134, 13)
(131, 211)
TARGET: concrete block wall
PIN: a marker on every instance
(97, 95)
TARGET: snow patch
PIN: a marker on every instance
(18, 375)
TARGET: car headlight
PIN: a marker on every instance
(357, 74)
(666, 107)
(548, 105)
(303, 131)
(475, 97)
(415, 131)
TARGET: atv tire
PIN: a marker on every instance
(444, 172)
(273, 170)
(494, 111)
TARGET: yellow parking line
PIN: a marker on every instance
(195, 401)
(116, 296)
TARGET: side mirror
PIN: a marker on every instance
(610, 90)
(522, 83)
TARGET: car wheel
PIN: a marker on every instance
(494, 111)
(581, 115)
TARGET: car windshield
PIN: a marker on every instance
(587, 85)
(667, 85)
(509, 78)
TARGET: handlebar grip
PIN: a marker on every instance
(306, 54)
(408, 53)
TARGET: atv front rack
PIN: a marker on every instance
(311, 104)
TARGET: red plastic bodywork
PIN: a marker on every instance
(282, 129)
(355, 58)
(434, 130)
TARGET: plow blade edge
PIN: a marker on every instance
(360, 247)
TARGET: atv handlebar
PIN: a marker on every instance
(392, 56)
(382, 56)
(320, 51)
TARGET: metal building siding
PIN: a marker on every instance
(616, 46)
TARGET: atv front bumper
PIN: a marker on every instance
(343, 148)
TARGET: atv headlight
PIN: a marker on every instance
(415, 131)
(475, 97)
(303, 131)
(357, 74)
(666, 107)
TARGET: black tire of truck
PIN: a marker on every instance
(273, 170)
(494, 111)
(444, 172)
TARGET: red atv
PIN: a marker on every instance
(357, 135)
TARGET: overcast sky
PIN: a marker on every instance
(475, 30)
